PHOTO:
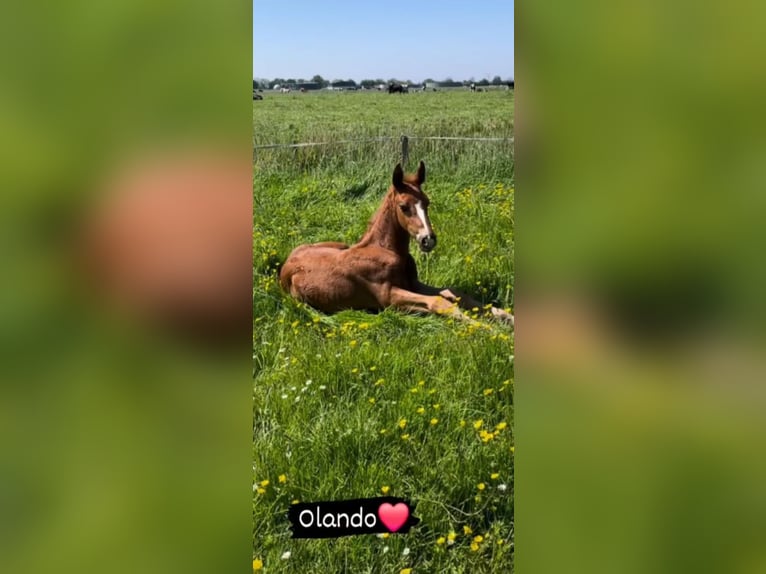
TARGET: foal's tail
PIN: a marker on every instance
(285, 276)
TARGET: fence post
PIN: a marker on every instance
(405, 151)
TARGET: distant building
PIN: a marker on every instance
(308, 86)
(342, 85)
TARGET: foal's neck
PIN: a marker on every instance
(384, 229)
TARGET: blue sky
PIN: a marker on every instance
(407, 40)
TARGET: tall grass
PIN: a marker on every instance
(348, 404)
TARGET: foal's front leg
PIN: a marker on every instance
(422, 303)
(464, 301)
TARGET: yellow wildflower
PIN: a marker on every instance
(501, 426)
(421, 410)
(282, 478)
(264, 483)
(257, 564)
(451, 536)
(402, 423)
(488, 392)
(406, 437)
(434, 421)
(467, 530)
(478, 539)
(405, 571)
(474, 546)
(441, 540)
(481, 486)
(494, 475)
(261, 490)
(477, 425)
(385, 489)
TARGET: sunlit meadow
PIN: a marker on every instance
(361, 405)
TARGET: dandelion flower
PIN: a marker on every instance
(265, 483)
(421, 383)
(474, 546)
(478, 539)
(354, 370)
(257, 564)
(488, 392)
(477, 425)
(501, 426)
(434, 421)
(437, 406)
(282, 478)
(405, 571)
(406, 436)
(481, 486)
(441, 540)
(402, 423)
(451, 536)
(512, 449)
(494, 475)
(383, 431)
(421, 410)
(385, 489)
(261, 490)
(462, 423)
(467, 530)
(352, 343)
(371, 400)
(294, 501)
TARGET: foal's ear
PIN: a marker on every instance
(422, 173)
(398, 178)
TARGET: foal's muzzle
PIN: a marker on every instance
(427, 243)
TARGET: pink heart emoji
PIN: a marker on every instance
(393, 517)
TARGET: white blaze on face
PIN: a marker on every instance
(426, 231)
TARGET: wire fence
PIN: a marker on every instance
(306, 155)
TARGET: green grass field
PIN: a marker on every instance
(355, 405)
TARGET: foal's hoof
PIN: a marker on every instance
(502, 315)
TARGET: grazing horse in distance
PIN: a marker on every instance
(378, 271)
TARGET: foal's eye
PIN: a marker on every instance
(405, 207)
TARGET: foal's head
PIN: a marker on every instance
(412, 206)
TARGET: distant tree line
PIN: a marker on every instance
(320, 82)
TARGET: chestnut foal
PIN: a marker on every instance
(378, 271)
